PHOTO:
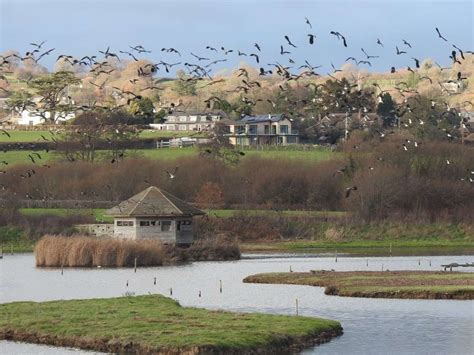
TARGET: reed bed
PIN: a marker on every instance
(81, 251)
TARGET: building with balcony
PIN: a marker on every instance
(262, 130)
(190, 121)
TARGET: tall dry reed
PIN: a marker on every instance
(81, 251)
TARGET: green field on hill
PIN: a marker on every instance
(99, 213)
(311, 156)
(19, 136)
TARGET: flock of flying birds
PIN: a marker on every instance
(202, 68)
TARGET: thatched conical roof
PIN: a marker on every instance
(153, 202)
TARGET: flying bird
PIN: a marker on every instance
(289, 42)
(439, 35)
(339, 37)
(399, 51)
(173, 174)
(349, 189)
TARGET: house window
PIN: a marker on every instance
(124, 223)
(267, 129)
(182, 118)
(240, 129)
(192, 118)
(171, 119)
(284, 129)
(165, 226)
(253, 129)
(178, 225)
(144, 223)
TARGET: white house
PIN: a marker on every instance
(262, 129)
(155, 214)
(32, 118)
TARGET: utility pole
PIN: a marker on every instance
(345, 126)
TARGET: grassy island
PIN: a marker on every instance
(380, 284)
(156, 324)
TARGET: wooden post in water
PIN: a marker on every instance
(296, 307)
(291, 269)
(419, 261)
(154, 281)
(367, 262)
(135, 264)
(62, 269)
(430, 262)
(220, 286)
(199, 293)
(336, 255)
(171, 291)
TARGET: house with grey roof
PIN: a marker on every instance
(262, 130)
(190, 121)
(155, 214)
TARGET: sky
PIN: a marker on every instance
(83, 27)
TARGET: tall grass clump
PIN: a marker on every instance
(81, 251)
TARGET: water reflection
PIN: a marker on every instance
(370, 325)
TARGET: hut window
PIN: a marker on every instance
(144, 223)
(178, 225)
(124, 223)
(165, 226)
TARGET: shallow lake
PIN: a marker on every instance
(371, 326)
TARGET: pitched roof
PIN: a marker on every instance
(153, 202)
(197, 113)
(261, 118)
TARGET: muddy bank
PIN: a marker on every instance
(287, 345)
(380, 284)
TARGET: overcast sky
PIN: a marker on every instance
(83, 27)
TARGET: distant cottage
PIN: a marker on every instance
(155, 214)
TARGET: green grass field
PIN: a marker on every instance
(311, 156)
(99, 214)
(37, 135)
(16, 157)
(376, 239)
(154, 323)
(27, 136)
(305, 155)
(380, 284)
